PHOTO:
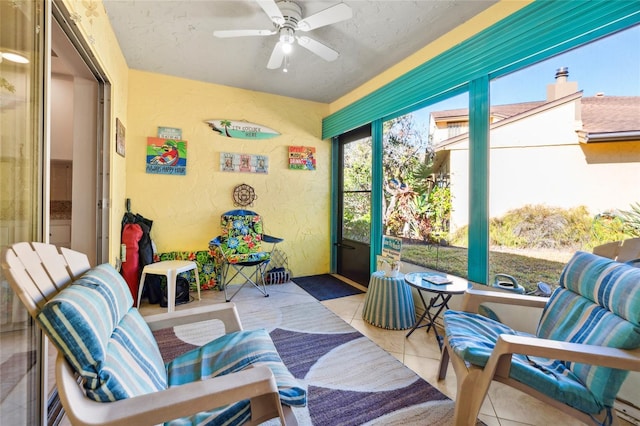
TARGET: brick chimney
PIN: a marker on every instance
(561, 87)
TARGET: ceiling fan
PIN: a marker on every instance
(286, 16)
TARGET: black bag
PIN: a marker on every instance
(153, 288)
(182, 293)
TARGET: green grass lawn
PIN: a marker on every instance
(528, 271)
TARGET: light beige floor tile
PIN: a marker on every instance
(397, 356)
(511, 404)
(505, 422)
(346, 307)
(423, 344)
(490, 420)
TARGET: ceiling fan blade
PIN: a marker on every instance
(275, 61)
(242, 33)
(337, 13)
(272, 10)
(325, 52)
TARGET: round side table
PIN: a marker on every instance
(443, 293)
(389, 303)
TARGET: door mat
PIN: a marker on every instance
(326, 287)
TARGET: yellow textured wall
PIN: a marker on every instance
(186, 209)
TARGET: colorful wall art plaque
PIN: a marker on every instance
(241, 129)
(166, 156)
(302, 158)
(247, 163)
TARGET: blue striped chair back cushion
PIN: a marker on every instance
(227, 354)
(105, 340)
(597, 303)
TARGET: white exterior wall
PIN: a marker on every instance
(459, 174)
(538, 160)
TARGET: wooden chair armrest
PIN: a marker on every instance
(227, 313)
(506, 345)
(169, 404)
(473, 298)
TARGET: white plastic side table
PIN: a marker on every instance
(170, 269)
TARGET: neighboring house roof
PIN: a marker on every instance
(503, 111)
(509, 110)
(603, 117)
(602, 114)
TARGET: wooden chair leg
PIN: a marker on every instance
(472, 390)
(263, 408)
(444, 363)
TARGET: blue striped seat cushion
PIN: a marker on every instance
(227, 354)
(598, 303)
(473, 337)
(105, 340)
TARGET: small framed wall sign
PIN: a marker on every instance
(166, 156)
(302, 157)
(246, 163)
(120, 139)
(170, 133)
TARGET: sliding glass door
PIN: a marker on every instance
(21, 200)
(354, 206)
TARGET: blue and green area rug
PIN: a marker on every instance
(349, 379)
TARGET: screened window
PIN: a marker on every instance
(564, 158)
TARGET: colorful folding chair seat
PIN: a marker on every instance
(240, 247)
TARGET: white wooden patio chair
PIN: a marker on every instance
(586, 343)
(124, 386)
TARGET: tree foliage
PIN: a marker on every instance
(357, 177)
(417, 204)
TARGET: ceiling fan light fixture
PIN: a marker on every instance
(287, 38)
(286, 17)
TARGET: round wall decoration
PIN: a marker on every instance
(243, 195)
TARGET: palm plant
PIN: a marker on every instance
(632, 219)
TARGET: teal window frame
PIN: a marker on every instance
(536, 32)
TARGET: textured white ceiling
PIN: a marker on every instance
(176, 38)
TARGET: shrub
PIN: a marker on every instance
(606, 228)
(631, 219)
(539, 226)
(460, 237)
